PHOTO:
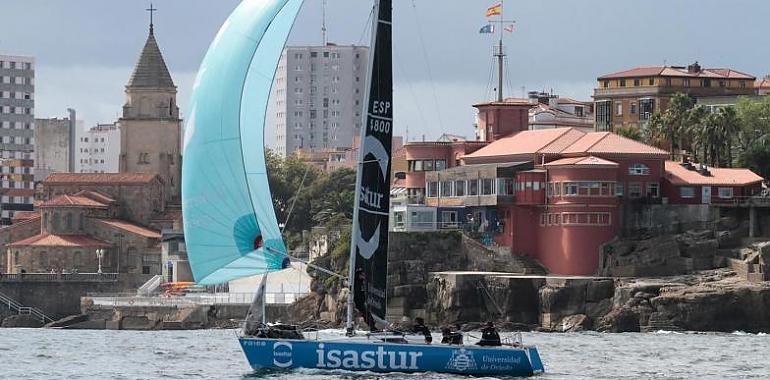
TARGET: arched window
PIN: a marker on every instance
(638, 169)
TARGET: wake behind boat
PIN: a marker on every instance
(230, 225)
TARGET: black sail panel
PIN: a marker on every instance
(371, 227)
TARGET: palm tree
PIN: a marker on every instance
(694, 128)
(730, 128)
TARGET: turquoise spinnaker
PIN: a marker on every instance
(229, 223)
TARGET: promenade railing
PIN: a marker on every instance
(59, 277)
(192, 299)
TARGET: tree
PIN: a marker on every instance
(632, 132)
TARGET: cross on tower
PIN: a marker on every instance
(152, 10)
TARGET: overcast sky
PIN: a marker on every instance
(85, 49)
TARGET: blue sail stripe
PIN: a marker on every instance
(227, 204)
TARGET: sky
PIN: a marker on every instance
(85, 49)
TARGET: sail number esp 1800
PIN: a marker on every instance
(381, 109)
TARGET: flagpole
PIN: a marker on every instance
(500, 57)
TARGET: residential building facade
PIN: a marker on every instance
(318, 97)
(631, 97)
(17, 140)
(762, 86)
(550, 111)
(98, 149)
(55, 143)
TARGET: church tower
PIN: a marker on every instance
(150, 129)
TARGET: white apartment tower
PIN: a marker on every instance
(98, 150)
(17, 141)
(317, 97)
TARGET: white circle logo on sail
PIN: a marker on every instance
(283, 354)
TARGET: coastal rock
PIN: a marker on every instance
(67, 321)
(574, 323)
(21, 320)
(619, 320)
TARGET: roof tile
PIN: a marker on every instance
(678, 175)
(51, 240)
(99, 178)
(131, 227)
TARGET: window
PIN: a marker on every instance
(725, 192)
(622, 83)
(687, 192)
(446, 188)
(473, 187)
(570, 189)
(637, 82)
(487, 187)
(722, 84)
(427, 165)
(432, 189)
(653, 190)
(633, 108)
(606, 84)
(449, 219)
(651, 82)
(459, 188)
(440, 165)
(619, 109)
(635, 190)
(638, 169)
(705, 82)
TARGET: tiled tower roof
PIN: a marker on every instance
(151, 70)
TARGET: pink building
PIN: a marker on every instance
(562, 207)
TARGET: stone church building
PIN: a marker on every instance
(120, 215)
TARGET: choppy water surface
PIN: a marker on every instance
(215, 354)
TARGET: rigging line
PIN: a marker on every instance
(409, 86)
(316, 267)
(490, 79)
(294, 201)
(366, 26)
(508, 76)
(427, 66)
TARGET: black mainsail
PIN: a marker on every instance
(369, 245)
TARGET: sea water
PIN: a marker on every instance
(215, 354)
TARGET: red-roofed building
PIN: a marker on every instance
(693, 184)
(557, 194)
(630, 97)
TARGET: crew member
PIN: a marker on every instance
(489, 336)
(420, 328)
(451, 337)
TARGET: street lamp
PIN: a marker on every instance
(100, 255)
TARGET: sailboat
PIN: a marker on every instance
(229, 221)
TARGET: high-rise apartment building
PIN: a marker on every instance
(17, 123)
(318, 96)
(98, 150)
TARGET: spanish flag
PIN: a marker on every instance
(495, 10)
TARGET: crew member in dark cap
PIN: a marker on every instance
(489, 336)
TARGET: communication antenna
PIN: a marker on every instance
(323, 22)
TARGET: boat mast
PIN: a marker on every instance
(359, 171)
